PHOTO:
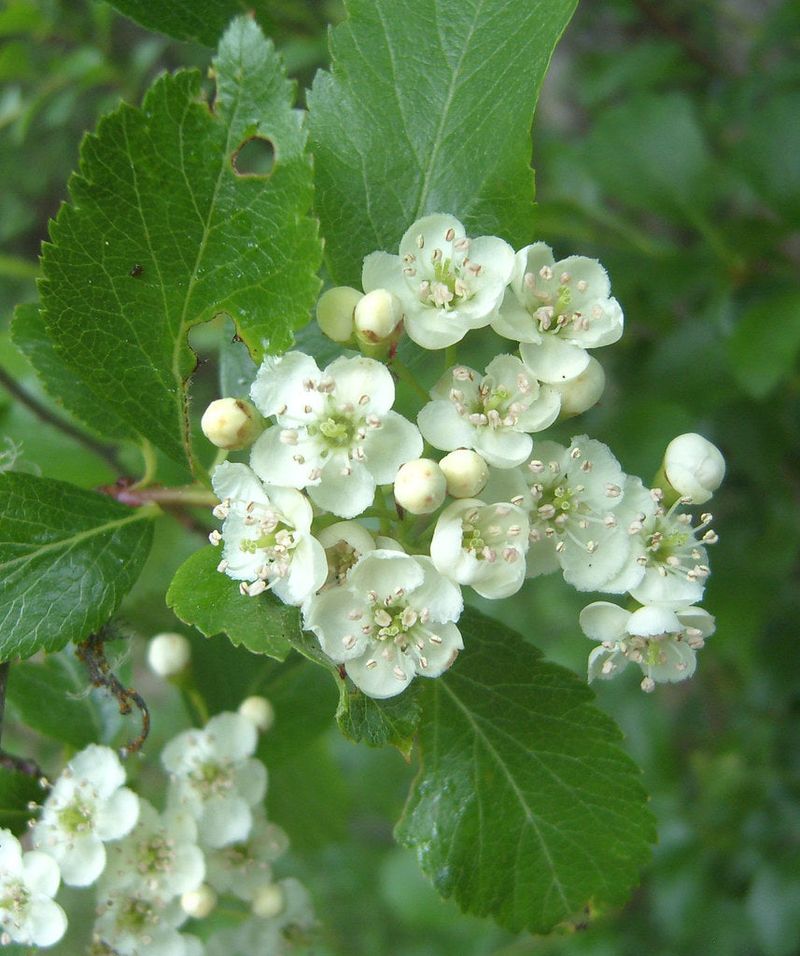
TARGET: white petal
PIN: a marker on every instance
(118, 815)
(433, 229)
(294, 506)
(41, 873)
(679, 662)
(328, 616)
(553, 360)
(225, 820)
(356, 377)
(388, 447)
(433, 328)
(598, 667)
(236, 481)
(10, 853)
(100, 767)
(274, 462)
(541, 558)
(698, 618)
(672, 590)
(502, 448)
(307, 572)
(188, 868)
(46, 922)
(384, 571)
(514, 321)
(343, 495)
(604, 621)
(382, 270)
(443, 427)
(650, 621)
(542, 413)
(500, 579)
(231, 736)
(437, 593)
(381, 681)
(251, 781)
(83, 862)
(279, 382)
(440, 655)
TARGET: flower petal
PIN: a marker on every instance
(553, 360)
(118, 815)
(343, 495)
(443, 427)
(604, 621)
(395, 442)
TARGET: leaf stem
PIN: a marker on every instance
(107, 452)
(150, 464)
(186, 496)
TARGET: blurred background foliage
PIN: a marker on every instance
(667, 144)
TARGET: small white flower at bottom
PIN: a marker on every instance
(243, 867)
(87, 806)
(28, 883)
(215, 778)
(392, 620)
(136, 926)
(662, 641)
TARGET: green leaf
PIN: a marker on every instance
(199, 21)
(210, 601)
(428, 111)
(164, 232)
(17, 790)
(67, 558)
(31, 338)
(525, 806)
(50, 696)
(765, 344)
(379, 722)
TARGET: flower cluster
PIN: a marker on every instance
(381, 588)
(155, 870)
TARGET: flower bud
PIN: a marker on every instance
(377, 315)
(259, 711)
(200, 902)
(335, 312)
(420, 486)
(231, 423)
(693, 467)
(582, 392)
(269, 901)
(168, 654)
(466, 473)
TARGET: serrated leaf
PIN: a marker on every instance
(764, 346)
(210, 601)
(50, 696)
(67, 558)
(17, 790)
(379, 723)
(525, 807)
(428, 111)
(163, 233)
(30, 335)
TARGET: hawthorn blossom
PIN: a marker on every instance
(87, 806)
(446, 283)
(214, 777)
(482, 545)
(266, 535)
(242, 868)
(28, 883)
(570, 496)
(490, 413)
(662, 641)
(133, 925)
(335, 435)
(159, 859)
(558, 310)
(393, 619)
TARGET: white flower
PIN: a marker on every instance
(215, 779)
(492, 413)
(694, 467)
(138, 926)
(242, 868)
(267, 536)
(557, 310)
(87, 806)
(344, 543)
(482, 545)
(159, 859)
(570, 496)
(447, 284)
(336, 434)
(28, 883)
(661, 640)
(393, 619)
(280, 935)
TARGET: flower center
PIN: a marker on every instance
(489, 531)
(76, 817)
(16, 899)
(212, 779)
(338, 429)
(157, 855)
(549, 304)
(136, 915)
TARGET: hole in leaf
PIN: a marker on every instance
(255, 157)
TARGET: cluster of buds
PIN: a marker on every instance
(382, 588)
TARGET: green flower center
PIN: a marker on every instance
(76, 817)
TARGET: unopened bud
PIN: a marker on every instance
(582, 392)
(693, 467)
(335, 312)
(269, 901)
(420, 486)
(168, 654)
(200, 902)
(377, 315)
(259, 711)
(231, 423)
(466, 473)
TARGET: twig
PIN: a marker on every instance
(93, 655)
(8, 761)
(106, 452)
